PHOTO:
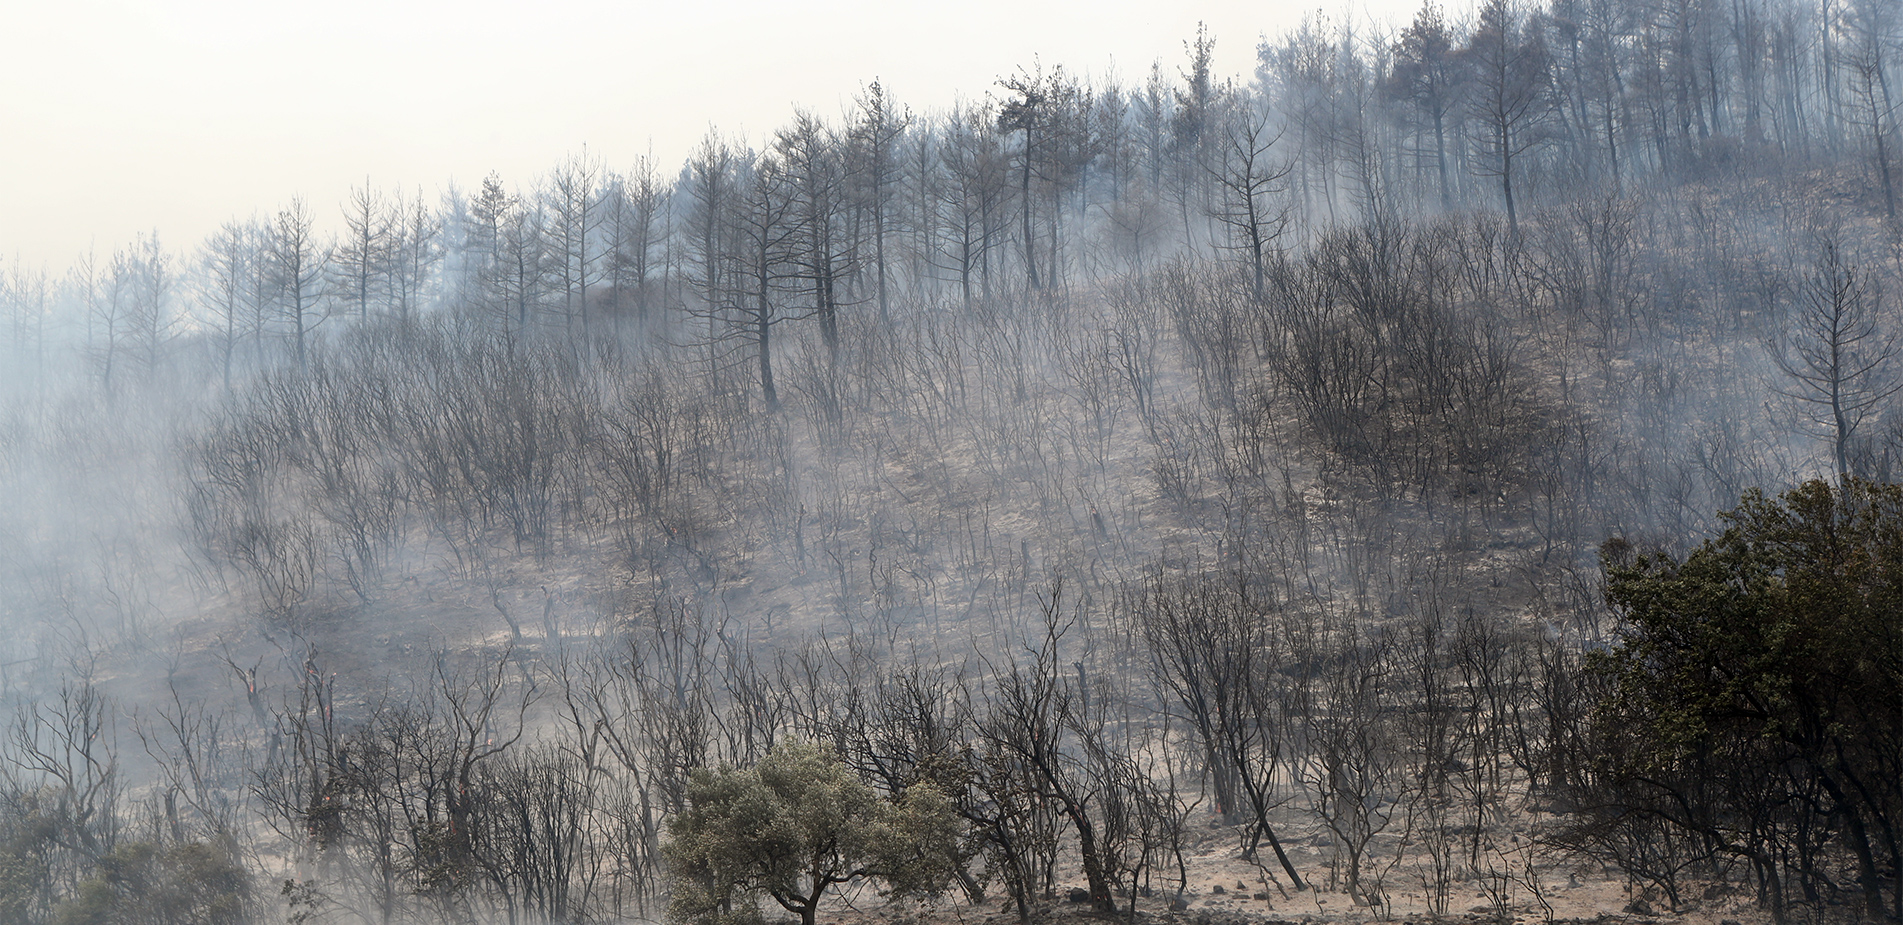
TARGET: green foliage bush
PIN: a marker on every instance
(794, 826)
(1755, 703)
(140, 883)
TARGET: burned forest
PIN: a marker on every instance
(1448, 473)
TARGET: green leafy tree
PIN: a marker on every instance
(1754, 704)
(793, 827)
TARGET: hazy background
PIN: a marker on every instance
(125, 117)
(409, 575)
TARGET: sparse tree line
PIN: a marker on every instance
(992, 504)
(1048, 183)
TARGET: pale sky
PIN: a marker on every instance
(125, 116)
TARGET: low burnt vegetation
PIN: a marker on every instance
(1428, 479)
